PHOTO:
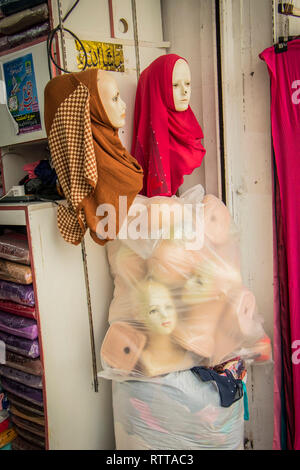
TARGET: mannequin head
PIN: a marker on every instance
(181, 82)
(157, 309)
(110, 96)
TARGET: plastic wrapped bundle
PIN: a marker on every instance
(17, 309)
(18, 326)
(30, 380)
(14, 247)
(25, 364)
(30, 438)
(28, 35)
(18, 293)
(25, 406)
(28, 416)
(29, 426)
(173, 412)
(13, 272)
(179, 299)
(24, 19)
(23, 391)
(22, 444)
(23, 346)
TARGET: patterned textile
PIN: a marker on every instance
(69, 137)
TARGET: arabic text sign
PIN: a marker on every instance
(101, 55)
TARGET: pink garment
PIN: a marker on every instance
(284, 70)
(166, 142)
(30, 167)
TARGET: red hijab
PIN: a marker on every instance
(166, 142)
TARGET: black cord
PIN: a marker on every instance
(51, 36)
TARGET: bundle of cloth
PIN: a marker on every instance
(179, 299)
(22, 21)
(175, 411)
(41, 180)
(7, 42)
(24, 18)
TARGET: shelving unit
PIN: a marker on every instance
(73, 410)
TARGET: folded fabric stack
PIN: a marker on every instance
(22, 21)
(21, 374)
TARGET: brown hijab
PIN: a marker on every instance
(91, 163)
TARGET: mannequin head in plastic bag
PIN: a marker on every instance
(110, 96)
(157, 310)
(181, 83)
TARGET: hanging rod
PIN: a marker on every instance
(288, 9)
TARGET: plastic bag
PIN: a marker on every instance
(17, 309)
(28, 35)
(25, 364)
(14, 247)
(24, 19)
(30, 380)
(25, 406)
(31, 438)
(22, 444)
(23, 346)
(18, 293)
(173, 412)
(27, 415)
(29, 426)
(23, 391)
(18, 326)
(13, 272)
(179, 299)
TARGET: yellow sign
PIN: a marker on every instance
(102, 55)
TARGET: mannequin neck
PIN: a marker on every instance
(159, 344)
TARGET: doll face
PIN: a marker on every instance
(159, 314)
(110, 96)
(181, 81)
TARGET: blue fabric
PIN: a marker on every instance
(230, 389)
(246, 405)
(45, 173)
(7, 447)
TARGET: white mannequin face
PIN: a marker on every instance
(181, 81)
(110, 96)
(159, 313)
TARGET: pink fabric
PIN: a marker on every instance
(30, 167)
(284, 70)
(166, 143)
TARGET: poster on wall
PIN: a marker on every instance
(21, 93)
